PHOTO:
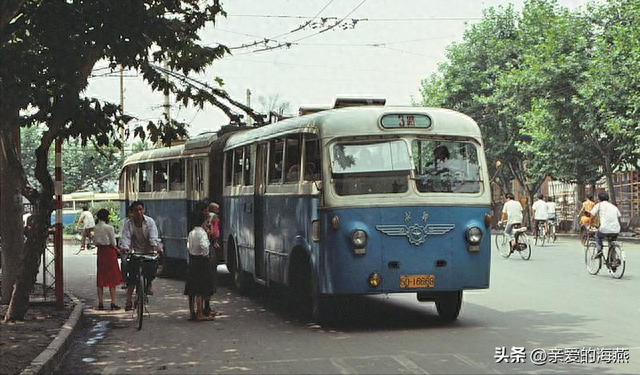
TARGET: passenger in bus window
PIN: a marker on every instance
(293, 175)
(199, 284)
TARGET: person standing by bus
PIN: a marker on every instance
(140, 234)
(86, 218)
(212, 228)
(108, 272)
(199, 284)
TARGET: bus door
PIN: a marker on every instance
(259, 214)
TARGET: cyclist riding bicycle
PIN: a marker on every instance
(609, 220)
(585, 211)
(140, 233)
(86, 219)
(540, 214)
(551, 208)
(512, 213)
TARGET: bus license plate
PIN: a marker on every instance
(416, 281)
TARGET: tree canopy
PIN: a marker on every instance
(554, 91)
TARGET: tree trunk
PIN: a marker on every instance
(11, 213)
(609, 175)
(36, 237)
(580, 197)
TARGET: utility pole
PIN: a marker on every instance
(122, 108)
(249, 122)
(167, 102)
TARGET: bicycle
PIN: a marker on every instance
(88, 242)
(615, 260)
(523, 244)
(141, 284)
(552, 230)
(541, 233)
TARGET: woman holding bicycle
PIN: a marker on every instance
(108, 271)
(199, 284)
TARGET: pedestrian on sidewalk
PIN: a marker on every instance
(108, 271)
(212, 228)
(199, 284)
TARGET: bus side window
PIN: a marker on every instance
(160, 176)
(276, 148)
(292, 162)
(249, 160)
(237, 166)
(228, 167)
(133, 179)
(122, 181)
(312, 157)
(145, 177)
(176, 175)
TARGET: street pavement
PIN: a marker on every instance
(547, 303)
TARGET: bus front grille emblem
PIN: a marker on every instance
(416, 234)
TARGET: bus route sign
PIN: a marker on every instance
(397, 121)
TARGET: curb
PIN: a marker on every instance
(49, 360)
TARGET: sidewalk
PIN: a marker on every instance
(38, 344)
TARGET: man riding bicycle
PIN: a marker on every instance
(540, 214)
(512, 212)
(140, 233)
(609, 220)
(551, 208)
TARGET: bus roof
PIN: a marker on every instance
(362, 121)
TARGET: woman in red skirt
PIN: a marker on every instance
(108, 271)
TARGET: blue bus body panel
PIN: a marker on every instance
(446, 256)
(171, 218)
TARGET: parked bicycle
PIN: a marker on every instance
(141, 284)
(615, 260)
(522, 246)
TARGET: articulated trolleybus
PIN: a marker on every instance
(360, 200)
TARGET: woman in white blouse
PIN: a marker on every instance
(199, 284)
(108, 271)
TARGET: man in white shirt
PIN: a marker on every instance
(86, 218)
(512, 212)
(540, 214)
(609, 219)
(551, 208)
(140, 234)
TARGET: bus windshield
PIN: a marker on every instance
(446, 166)
(370, 168)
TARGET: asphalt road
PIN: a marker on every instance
(549, 302)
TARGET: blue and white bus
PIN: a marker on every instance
(360, 200)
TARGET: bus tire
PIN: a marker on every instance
(239, 278)
(448, 305)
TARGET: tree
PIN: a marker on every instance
(273, 103)
(84, 168)
(610, 96)
(49, 50)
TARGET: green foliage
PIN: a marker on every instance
(114, 212)
(555, 92)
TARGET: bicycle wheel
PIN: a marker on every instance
(503, 245)
(592, 262)
(140, 299)
(524, 247)
(554, 235)
(617, 261)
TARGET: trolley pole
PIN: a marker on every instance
(59, 282)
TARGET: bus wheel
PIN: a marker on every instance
(448, 305)
(240, 279)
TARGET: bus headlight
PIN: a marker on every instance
(359, 238)
(474, 235)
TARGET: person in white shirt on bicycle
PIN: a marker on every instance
(609, 219)
(512, 212)
(540, 214)
(551, 208)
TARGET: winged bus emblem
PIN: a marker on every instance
(416, 234)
